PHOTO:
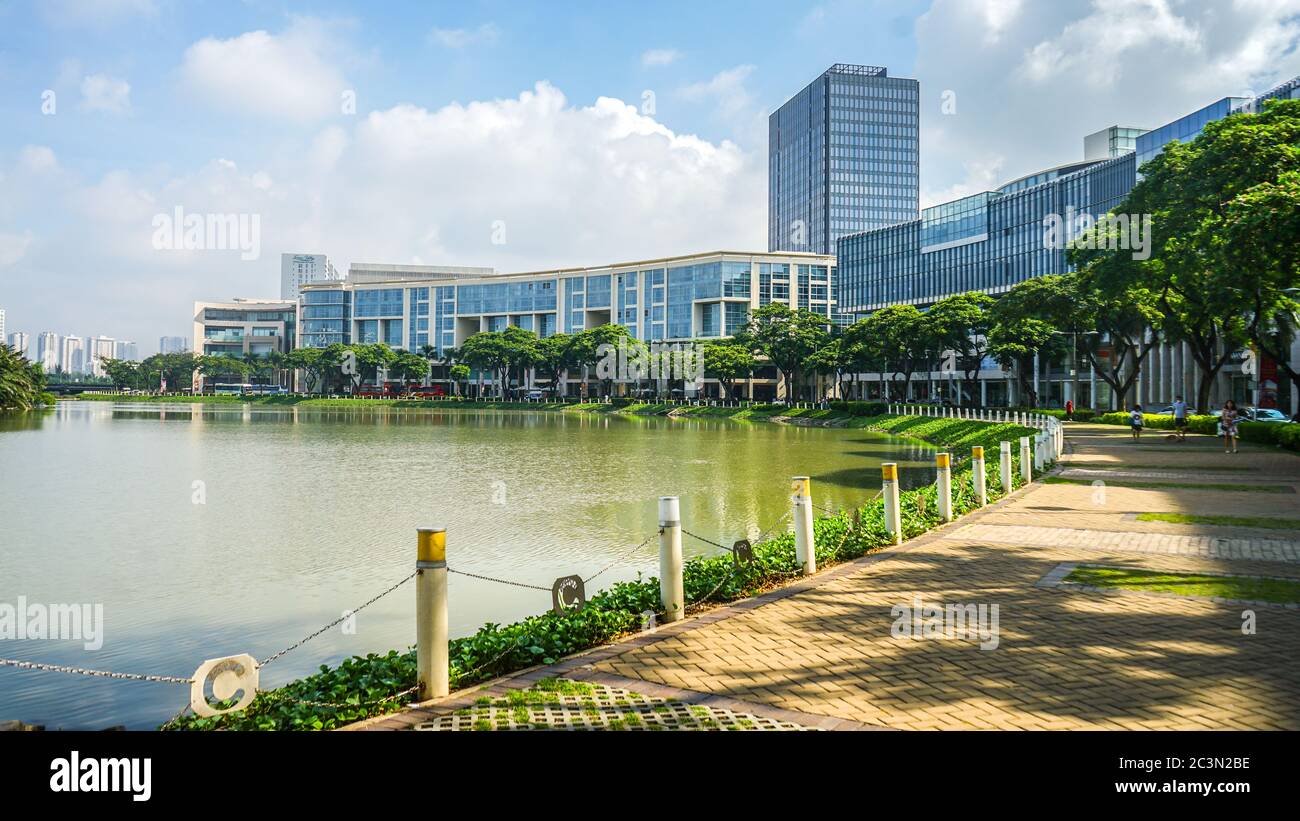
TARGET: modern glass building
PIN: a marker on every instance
(676, 299)
(698, 297)
(242, 327)
(993, 240)
(843, 157)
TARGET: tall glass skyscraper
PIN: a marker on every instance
(843, 157)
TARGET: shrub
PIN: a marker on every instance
(1195, 424)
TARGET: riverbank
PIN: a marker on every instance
(365, 686)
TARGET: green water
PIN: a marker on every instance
(208, 530)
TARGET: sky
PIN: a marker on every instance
(519, 135)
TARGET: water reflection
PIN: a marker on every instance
(307, 512)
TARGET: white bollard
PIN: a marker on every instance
(1040, 448)
(1004, 466)
(943, 466)
(893, 515)
(433, 670)
(977, 475)
(672, 592)
(805, 550)
(1026, 460)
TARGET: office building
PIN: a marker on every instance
(173, 344)
(370, 272)
(297, 270)
(676, 299)
(19, 342)
(993, 240)
(843, 157)
(241, 327)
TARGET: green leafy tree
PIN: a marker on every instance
(1214, 296)
(557, 355)
(1021, 328)
(308, 360)
(123, 373)
(459, 375)
(408, 367)
(22, 383)
(1261, 240)
(903, 341)
(960, 323)
(785, 337)
(728, 362)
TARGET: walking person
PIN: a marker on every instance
(1228, 426)
(1135, 421)
(1069, 410)
(1180, 419)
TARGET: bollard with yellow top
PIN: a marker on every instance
(431, 658)
(893, 515)
(805, 550)
(943, 466)
(977, 475)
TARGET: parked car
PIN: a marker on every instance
(1168, 410)
(534, 396)
(1269, 415)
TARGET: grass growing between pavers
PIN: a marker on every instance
(1244, 588)
(1144, 485)
(564, 704)
(1224, 521)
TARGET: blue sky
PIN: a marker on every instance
(593, 132)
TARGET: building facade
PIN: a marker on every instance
(20, 342)
(843, 157)
(99, 348)
(297, 270)
(991, 241)
(242, 327)
(173, 344)
(48, 352)
(73, 356)
(689, 298)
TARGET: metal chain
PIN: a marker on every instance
(706, 541)
(623, 557)
(81, 671)
(337, 621)
(715, 589)
(499, 581)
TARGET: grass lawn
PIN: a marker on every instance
(1134, 483)
(1281, 591)
(1226, 521)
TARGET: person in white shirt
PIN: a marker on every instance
(1135, 420)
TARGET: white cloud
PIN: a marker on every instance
(483, 35)
(660, 57)
(1032, 79)
(286, 75)
(13, 247)
(100, 92)
(573, 184)
(38, 158)
(726, 88)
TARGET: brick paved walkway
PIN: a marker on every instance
(821, 653)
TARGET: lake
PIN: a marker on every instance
(210, 530)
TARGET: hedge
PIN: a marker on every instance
(1283, 435)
